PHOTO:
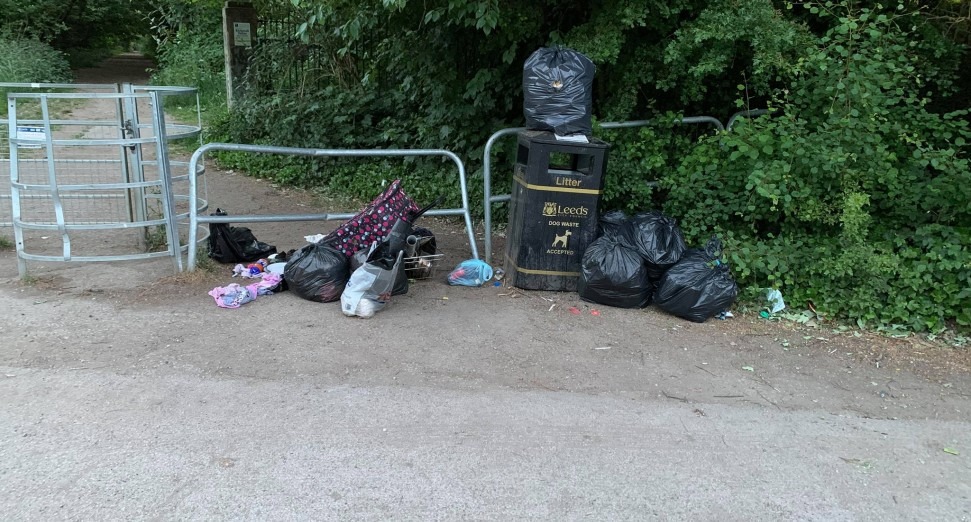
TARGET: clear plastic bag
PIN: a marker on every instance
(369, 288)
(473, 272)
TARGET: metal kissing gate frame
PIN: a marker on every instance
(63, 174)
(195, 219)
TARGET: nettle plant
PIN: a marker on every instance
(854, 195)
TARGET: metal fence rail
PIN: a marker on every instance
(105, 107)
(200, 204)
(112, 118)
(148, 189)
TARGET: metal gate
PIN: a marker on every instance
(89, 187)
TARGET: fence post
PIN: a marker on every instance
(239, 37)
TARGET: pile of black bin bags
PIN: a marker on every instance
(643, 259)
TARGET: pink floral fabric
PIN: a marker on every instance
(373, 222)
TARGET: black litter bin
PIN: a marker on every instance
(556, 192)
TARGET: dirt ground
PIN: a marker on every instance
(135, 326)
(939, 361)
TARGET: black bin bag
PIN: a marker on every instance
(613, 274)
(558, 91)
(699, 286)
(657, 238)
(229, 244)
(317, 272)
(611, 223)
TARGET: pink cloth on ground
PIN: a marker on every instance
(234, 295)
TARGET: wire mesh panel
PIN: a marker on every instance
(74, 116)
(91, 178)
(89, 189)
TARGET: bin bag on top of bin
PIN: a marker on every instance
(558, 91)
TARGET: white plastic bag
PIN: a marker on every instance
(369, 288)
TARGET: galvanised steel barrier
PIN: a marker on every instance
(199, 205)
(101, 117)
(745, 114)
(105, 108)
(74, 201)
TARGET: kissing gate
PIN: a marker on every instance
(88, 188)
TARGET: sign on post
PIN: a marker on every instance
(242, 35)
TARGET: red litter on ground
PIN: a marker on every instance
(574, 310)
(595, 312)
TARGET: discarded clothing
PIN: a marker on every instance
(251, 270)
(234, 295)
(268, 284)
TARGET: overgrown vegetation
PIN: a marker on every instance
(189, 51)
(853, 195)
(87, 31)
(24, 61)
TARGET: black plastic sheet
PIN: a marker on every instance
(317, 272)
(229, 244)
(657, 238)
(611, 223)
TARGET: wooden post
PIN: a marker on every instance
(239, 38)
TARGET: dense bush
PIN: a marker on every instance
(189, 49)
(86, 31)
(24, 61)
(854, 196)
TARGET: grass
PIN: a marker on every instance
(58, 108)
(156, 239)
(5, 243)
(204, 263)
